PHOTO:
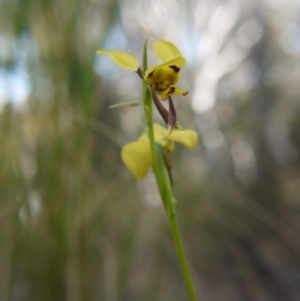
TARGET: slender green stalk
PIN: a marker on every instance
(182, 258)
(171, 212)
(164, 185)
(149, 117)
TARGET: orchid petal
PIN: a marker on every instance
(188, 138)
(171, 90)
(161, 78)
(122, 59)
(175, 64)
(165, 50)
(137, 157)
(172, 116)
(160, 132)
(160, 108)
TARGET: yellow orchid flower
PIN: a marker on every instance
(162, 77)
(137, 155)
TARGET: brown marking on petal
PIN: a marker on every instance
(161, 90)
(172, 89)
(185, 93)
(150, 74)
(159, 83)
(140, 73)
(175, 68)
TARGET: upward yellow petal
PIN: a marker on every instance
(137, 157)
(165, 50)
(121, 58)
(188, 138)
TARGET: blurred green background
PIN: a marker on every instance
(75, 224)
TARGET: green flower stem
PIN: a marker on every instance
(182, 257)
(164, 185)
(171, 212)
(149, 116)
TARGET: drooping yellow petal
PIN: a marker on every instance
(175, 64)
(171, 90)
(121, 58)
(160, 132)
(165, 50)
(137, 157)
(160, 135)
(188, 138)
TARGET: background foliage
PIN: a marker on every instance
(75, 225)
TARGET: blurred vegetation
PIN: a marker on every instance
(75, 225)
